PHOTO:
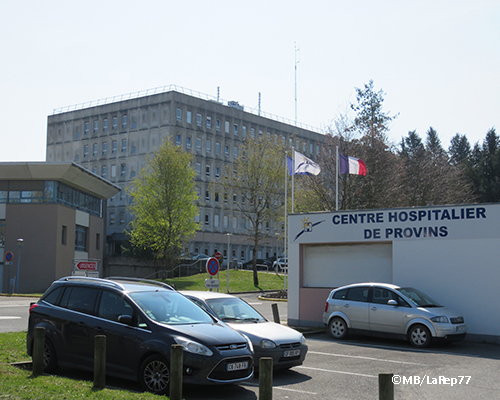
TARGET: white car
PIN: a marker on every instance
(389, 310)
(280, 264)
(286, 346)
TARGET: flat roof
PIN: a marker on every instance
(71, 174)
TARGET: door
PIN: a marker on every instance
(386, 317)
(355, 306)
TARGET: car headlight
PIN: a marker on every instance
(303, 340)
(440, 319)
(193, 347)
(267, 344)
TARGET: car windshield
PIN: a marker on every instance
(231, 309)
(419, 298)
(171, 308)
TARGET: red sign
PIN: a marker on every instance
(212, 266)
(87, 265)
(218, 255)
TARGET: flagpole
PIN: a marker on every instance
(293, 179)
(285, 253)
(337, 179)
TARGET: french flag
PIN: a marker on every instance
(351, 165)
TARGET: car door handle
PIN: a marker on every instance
(346, 305)
(374, 308)
(99, 329)
(82, 324)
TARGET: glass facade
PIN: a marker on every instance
(54, 192)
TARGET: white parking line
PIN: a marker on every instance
(337, 372)
(281, 388)
(10, 317)
(364, 358)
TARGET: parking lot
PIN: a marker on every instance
(349, 370)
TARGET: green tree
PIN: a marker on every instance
(486, 168)
(256, 181)
(163, 205)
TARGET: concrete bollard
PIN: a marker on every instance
(38, 349)
(276, 313)
(385, 387)
(99, 361)
(266, 378)
(176, 365)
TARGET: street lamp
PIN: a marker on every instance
(19, 245)
(228, 253)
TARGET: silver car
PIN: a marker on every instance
(286, 346)
(382, 309)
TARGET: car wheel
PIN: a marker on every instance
(154, 375)
(337, 328)
(419, 336)
(49, 357)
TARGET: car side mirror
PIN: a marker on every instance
(392, 302)
(126, 319)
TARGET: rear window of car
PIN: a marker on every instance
(340, 294)
(358, 293)
(81, 299)
(51, 297)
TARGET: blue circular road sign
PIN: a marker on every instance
(212, 266)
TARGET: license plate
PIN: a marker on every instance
(237, 366)
(291, 353)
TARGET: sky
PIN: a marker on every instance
(437, 61)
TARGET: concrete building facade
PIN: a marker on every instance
(51, 214)
(113, 140)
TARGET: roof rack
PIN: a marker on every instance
(92, 279)
(139, 280)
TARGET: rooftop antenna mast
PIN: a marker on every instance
(296, 62)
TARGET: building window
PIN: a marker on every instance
(198, 169)
(94, 149)
(85, 151)
(207, 220)
(216, 220)
(216, 197)
(112, 218)
(198, 119)
(115, 122)
(209, 146)
(188, 142)
(226, 125)
(189, 117)
(114, 146)
(179, 114)
(87, 128)
(105, 125)
(113, 171)
(98, 241)
(252, 133)
(124, 121)
(244, 131)
(64, 235)
(217, 172)
(124, 145)
(207, 170)
(217, 124)
(207, 194)
(226, 150)
(96, 126)
(198, 144)
(103, 171)
(217, 148)
(123, 170)
(235, 129)
(209, 122)
(122, 218)
(235, 151)
(178, 140)
(81, 238)
(104, 148)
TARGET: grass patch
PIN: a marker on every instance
(239, 281)
(19, 384)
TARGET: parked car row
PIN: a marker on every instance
(146, 318)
